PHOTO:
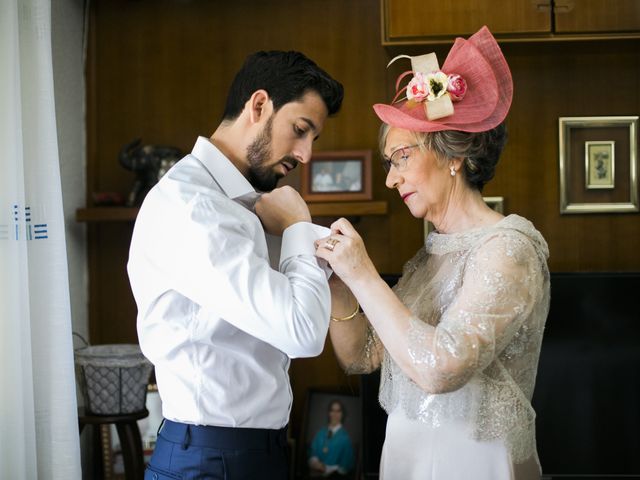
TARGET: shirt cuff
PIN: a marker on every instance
(299, 238)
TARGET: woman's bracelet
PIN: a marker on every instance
(348, 317)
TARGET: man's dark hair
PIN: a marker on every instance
(286, 76)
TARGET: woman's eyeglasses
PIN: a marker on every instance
(398, 158)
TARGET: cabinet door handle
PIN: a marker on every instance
(563, 6)
(541, 6)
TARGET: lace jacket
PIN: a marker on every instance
(479, 299)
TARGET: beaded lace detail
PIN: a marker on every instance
(479, 301)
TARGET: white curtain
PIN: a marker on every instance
(38, 411)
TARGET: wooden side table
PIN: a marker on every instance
(129, 435)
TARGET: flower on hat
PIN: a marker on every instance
(456, 86)
(437, 88)
(437, 85)
(434, 85)
(417, 88)
(430, 86)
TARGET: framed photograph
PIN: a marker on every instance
(337, 176)
(331, 436)
(496, 203)
(598, 164)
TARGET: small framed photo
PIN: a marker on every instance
(337, 176)
(331, 436)
(599, 164)
(598, 160)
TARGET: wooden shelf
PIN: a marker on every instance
(106, 214)
(333, 209)
(347, 209)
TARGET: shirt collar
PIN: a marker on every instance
(225, 173)
(335, 428)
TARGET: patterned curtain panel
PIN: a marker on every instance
(38, 411)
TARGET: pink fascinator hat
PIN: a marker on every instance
(471, 93)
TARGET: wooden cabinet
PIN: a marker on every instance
(596, 16)
(407, 20)
(435, 21)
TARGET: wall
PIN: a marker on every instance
(159, 70)
(561, 80)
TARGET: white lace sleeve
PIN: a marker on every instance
(500, 284)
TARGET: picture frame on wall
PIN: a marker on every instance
(318, 441)
(495, 203)
(598, 162)
(337, 176)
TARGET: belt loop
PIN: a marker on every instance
(270, 439)
(187, 437)
(160, 427)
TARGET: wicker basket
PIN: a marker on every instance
(113, 378)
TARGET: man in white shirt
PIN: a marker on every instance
(219, 314)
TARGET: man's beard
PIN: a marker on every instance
(262, 178)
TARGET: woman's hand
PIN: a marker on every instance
(345, 252)
(317, 465)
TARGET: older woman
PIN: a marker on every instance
(459, 337)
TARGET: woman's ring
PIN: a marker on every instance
(331, 244)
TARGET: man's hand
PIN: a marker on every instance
(280, 209)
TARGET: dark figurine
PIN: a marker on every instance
(149, 163)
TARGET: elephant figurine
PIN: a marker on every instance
(149, 163)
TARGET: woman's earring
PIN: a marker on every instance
(452, 170)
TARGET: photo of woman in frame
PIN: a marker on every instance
(332, 431)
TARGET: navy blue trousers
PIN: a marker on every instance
(198, 452)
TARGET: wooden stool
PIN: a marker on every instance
(129, 435)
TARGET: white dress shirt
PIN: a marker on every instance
(217, 321)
